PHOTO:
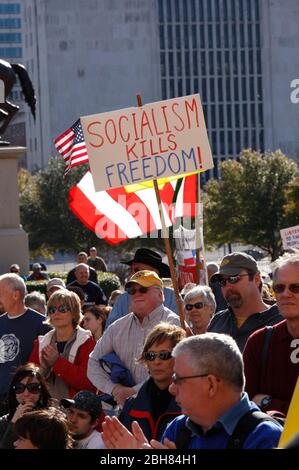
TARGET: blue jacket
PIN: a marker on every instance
(265, 436)
(139, 408)
(119, 373)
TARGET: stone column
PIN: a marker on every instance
(13, 239)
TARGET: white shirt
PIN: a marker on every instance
(93, 441)
(126, 338)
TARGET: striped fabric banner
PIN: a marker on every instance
(117, 215)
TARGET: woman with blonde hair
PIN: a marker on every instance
(63, 352)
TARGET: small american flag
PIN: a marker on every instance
(72, 147)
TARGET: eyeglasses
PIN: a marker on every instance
(151, 355)
(132, 290)
(280, 288)
(178, 380)
(231, 279)
(190, 307)
(60, 309)
(31, 387)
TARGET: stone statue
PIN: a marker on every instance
(8, 78)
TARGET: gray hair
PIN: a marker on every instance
(287, 258)
(204, 291)
(37, 301)
(14, 282)
(214, 353)
(81, 265)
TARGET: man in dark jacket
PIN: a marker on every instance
(241, 287)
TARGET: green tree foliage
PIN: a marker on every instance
(45, 214)
(292, 206)
(250, 203)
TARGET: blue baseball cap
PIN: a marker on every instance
(85, 401)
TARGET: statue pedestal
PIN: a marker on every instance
(13, 239)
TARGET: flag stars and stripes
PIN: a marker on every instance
(72, 147)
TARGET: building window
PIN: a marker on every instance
(10, 37)
(177, 11)
(213, 47)
(160, 8)
(11, 52)
(10, 8)
(162, 42)
(10, 23)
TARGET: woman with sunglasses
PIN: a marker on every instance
(154, 407)
(271, 354)
(27, 392)
(63, 352)
(200, 306)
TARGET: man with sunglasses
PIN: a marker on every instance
(241, 284)
(271, 356)
(126, 336)
(144, 259)
(19, 327)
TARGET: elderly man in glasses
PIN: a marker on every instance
(126, 336)
(208, 385)
(271, 355)
(241, 285)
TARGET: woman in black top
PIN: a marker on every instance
(154, 407)
(27, 392)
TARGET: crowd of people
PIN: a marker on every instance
(79, 370)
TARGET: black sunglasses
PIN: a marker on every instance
(280, 288)
(60, 309)
(151, 355)
(31, 387)
(231, 279)
(190, 307)
(132, 290)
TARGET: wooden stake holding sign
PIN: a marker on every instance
(168, 248)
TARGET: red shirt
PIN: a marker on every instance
(277, 377)
(73, 374)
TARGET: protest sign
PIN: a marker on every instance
(290, 237)
(157, 140)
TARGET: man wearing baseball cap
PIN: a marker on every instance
(84, 411)
(241, 284)
(53, 285)
(144, 259)
(126, 336)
